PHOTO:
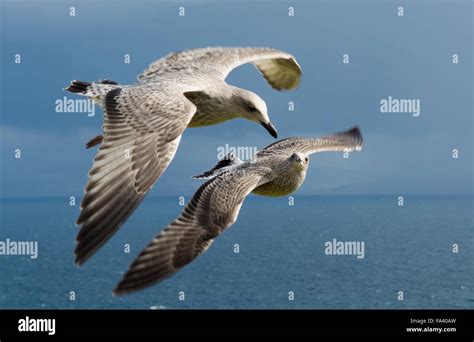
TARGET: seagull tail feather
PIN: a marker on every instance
(225, 164)
(97, 90)
(78, 87)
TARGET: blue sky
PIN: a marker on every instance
(408, 57)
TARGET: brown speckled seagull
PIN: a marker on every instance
(277, 170)
(143, 124)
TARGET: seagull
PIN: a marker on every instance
(143, 124)
(277, 170)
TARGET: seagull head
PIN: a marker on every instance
(251, 107)
(299, 160)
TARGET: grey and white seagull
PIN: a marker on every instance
(277, 170)
(143, 124)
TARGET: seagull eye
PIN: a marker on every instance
(306, 159)
(251, 108)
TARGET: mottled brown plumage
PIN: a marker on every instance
(277, 170)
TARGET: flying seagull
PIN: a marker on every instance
(143, 124)
(277, 170)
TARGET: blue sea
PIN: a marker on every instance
(281, 250)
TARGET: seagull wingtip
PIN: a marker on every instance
(119, 290)
(357, 134)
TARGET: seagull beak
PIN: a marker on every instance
(270, 128)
